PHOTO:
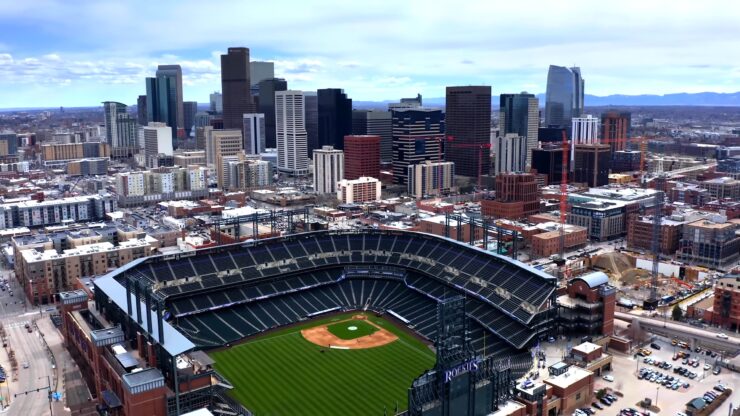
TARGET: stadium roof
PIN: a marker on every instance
(174, 342)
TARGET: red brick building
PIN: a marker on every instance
(640, 233)
(588, 305)
(361, 156)
(516, 197)
(121, 370)
(548, 243)
(726, 308)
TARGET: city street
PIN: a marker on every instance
(35, 370)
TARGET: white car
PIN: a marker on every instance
(722, 335)
(608, 378)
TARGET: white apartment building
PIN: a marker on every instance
(290, 128)
(328, 169)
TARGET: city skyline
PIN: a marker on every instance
(48, 59)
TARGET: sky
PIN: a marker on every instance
(80, 53)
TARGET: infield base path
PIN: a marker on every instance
(320, 335)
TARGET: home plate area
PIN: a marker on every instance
(357, 332)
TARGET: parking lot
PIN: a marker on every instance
(672, 395)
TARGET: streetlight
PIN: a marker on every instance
(657, 389)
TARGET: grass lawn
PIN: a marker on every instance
(283, 374)
(352, 329)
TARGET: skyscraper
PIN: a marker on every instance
(519, 114)
(254, 133)
(361, 156)
(312, 116)
(335, 118)
(189, 110)
(584, 130)
(176, 115)
(378, 123)
(260, 71)
(564, 96)
(549, 161)
(235, 87)
(157, 141)
(417, 137)
(216, 102)
(120, 130)
(141, 110)
(267, 89)
(328, 169)
(468, 123)
(224, 143)
(290, 130)
(615, 129)
(591, 165)
(510, 150)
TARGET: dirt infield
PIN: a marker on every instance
(320, 335)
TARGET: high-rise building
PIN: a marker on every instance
(216, 102)
(361, 156)
(190, 108)
(254, 133)
(406, 103)
(290, 130)
(625, 160)
(235, 87)
(173, 93)
(157, 141)
(328, 169)
(120, 130)
(584, 130)
(335, 118)
(8, 144)
(549, 161)
(246, 173)
(220, 144)
(312, 116)
(510, 154)
(564, 96)
(615, 129)
(468, 124)
(260, 71)
(591, 164)
(141, 111)
(417, 137)
(377, 123)
(358, 190)
(267, 89)
(578, 94)
(429, 178)
(520, 114)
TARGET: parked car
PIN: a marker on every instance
(722, 335)
(655, 346)
(608, 377)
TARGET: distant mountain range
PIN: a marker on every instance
(678, 99)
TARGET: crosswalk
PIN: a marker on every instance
(20, 324)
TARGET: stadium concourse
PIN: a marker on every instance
(219, 296)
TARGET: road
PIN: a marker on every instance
(674, 329)
(29, 347)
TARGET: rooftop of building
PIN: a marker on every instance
(32, 203)
(620, 193)
(725, 180)
(572, 375)
(712, 225)
(587, 348)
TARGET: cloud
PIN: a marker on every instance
(639, 47)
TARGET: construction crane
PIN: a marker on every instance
(563, 199)
(479, 146)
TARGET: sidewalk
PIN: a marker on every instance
(62, 359)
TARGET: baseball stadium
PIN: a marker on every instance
(336, 322)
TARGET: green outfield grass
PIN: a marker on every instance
(354, 328)
(283, 374)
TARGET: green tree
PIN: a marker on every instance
(677, 313)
